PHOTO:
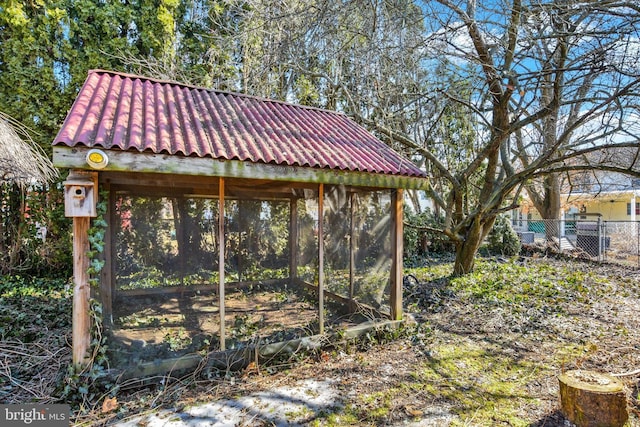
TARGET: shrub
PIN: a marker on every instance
(35, 237)
(502, 239)
(419, 242)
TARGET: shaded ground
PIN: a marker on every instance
(164, 325)
(486, 350)
(156, 326)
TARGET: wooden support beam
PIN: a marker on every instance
(109, 254)
(293, 240)
(81, 329)
(129, 161)
(321, 257)
(396, 254)
(352, 245)
(112, 230)
(221, 245)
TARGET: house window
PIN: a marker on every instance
(629, 209)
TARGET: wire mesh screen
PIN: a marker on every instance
(257, 239)
(165, 242)
(357, 243)
(622, 242)
(166, 269)
(167, 276)
(337, 226)
(306, 253)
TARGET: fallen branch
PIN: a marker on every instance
(627, 374)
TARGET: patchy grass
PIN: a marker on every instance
(347, 417)
(485, 384)
(486, 348)
(509, 328)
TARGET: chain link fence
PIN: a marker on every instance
(591, 238)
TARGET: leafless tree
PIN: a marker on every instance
(550, 83)
(588, 53)
(493, 98)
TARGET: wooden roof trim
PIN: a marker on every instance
(126, 161)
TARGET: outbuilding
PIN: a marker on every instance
(209, 222)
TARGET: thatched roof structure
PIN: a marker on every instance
(21, 161)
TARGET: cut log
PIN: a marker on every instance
(592, 399)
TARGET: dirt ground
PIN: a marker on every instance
(151, 327)
(474, 359)
(156, 326)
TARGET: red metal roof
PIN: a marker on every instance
(120, 111)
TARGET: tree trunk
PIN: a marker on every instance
(465, 258)
(547, 203)
(467, 249)
(415, 200)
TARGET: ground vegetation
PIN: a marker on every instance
(484, 349)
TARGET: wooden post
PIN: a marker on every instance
(221, 244)
(241, 243)
(80, 197)
(396, 254)
(321, 258)
(293, 240)
(352, 245)
(109, 254)
(112, 255)
(81, 330)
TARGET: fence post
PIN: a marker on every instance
(559, 233)
(604, 240)
(600, 237)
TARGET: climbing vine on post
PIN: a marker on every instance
(97, 233)
(84, 382)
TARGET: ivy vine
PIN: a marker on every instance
(97, 232)
(86, 384)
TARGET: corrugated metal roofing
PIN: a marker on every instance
(126, 112)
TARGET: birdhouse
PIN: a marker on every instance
(80, 194)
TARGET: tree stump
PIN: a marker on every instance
(592, 399)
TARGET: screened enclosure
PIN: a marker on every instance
(234, 222)
(166, 298)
